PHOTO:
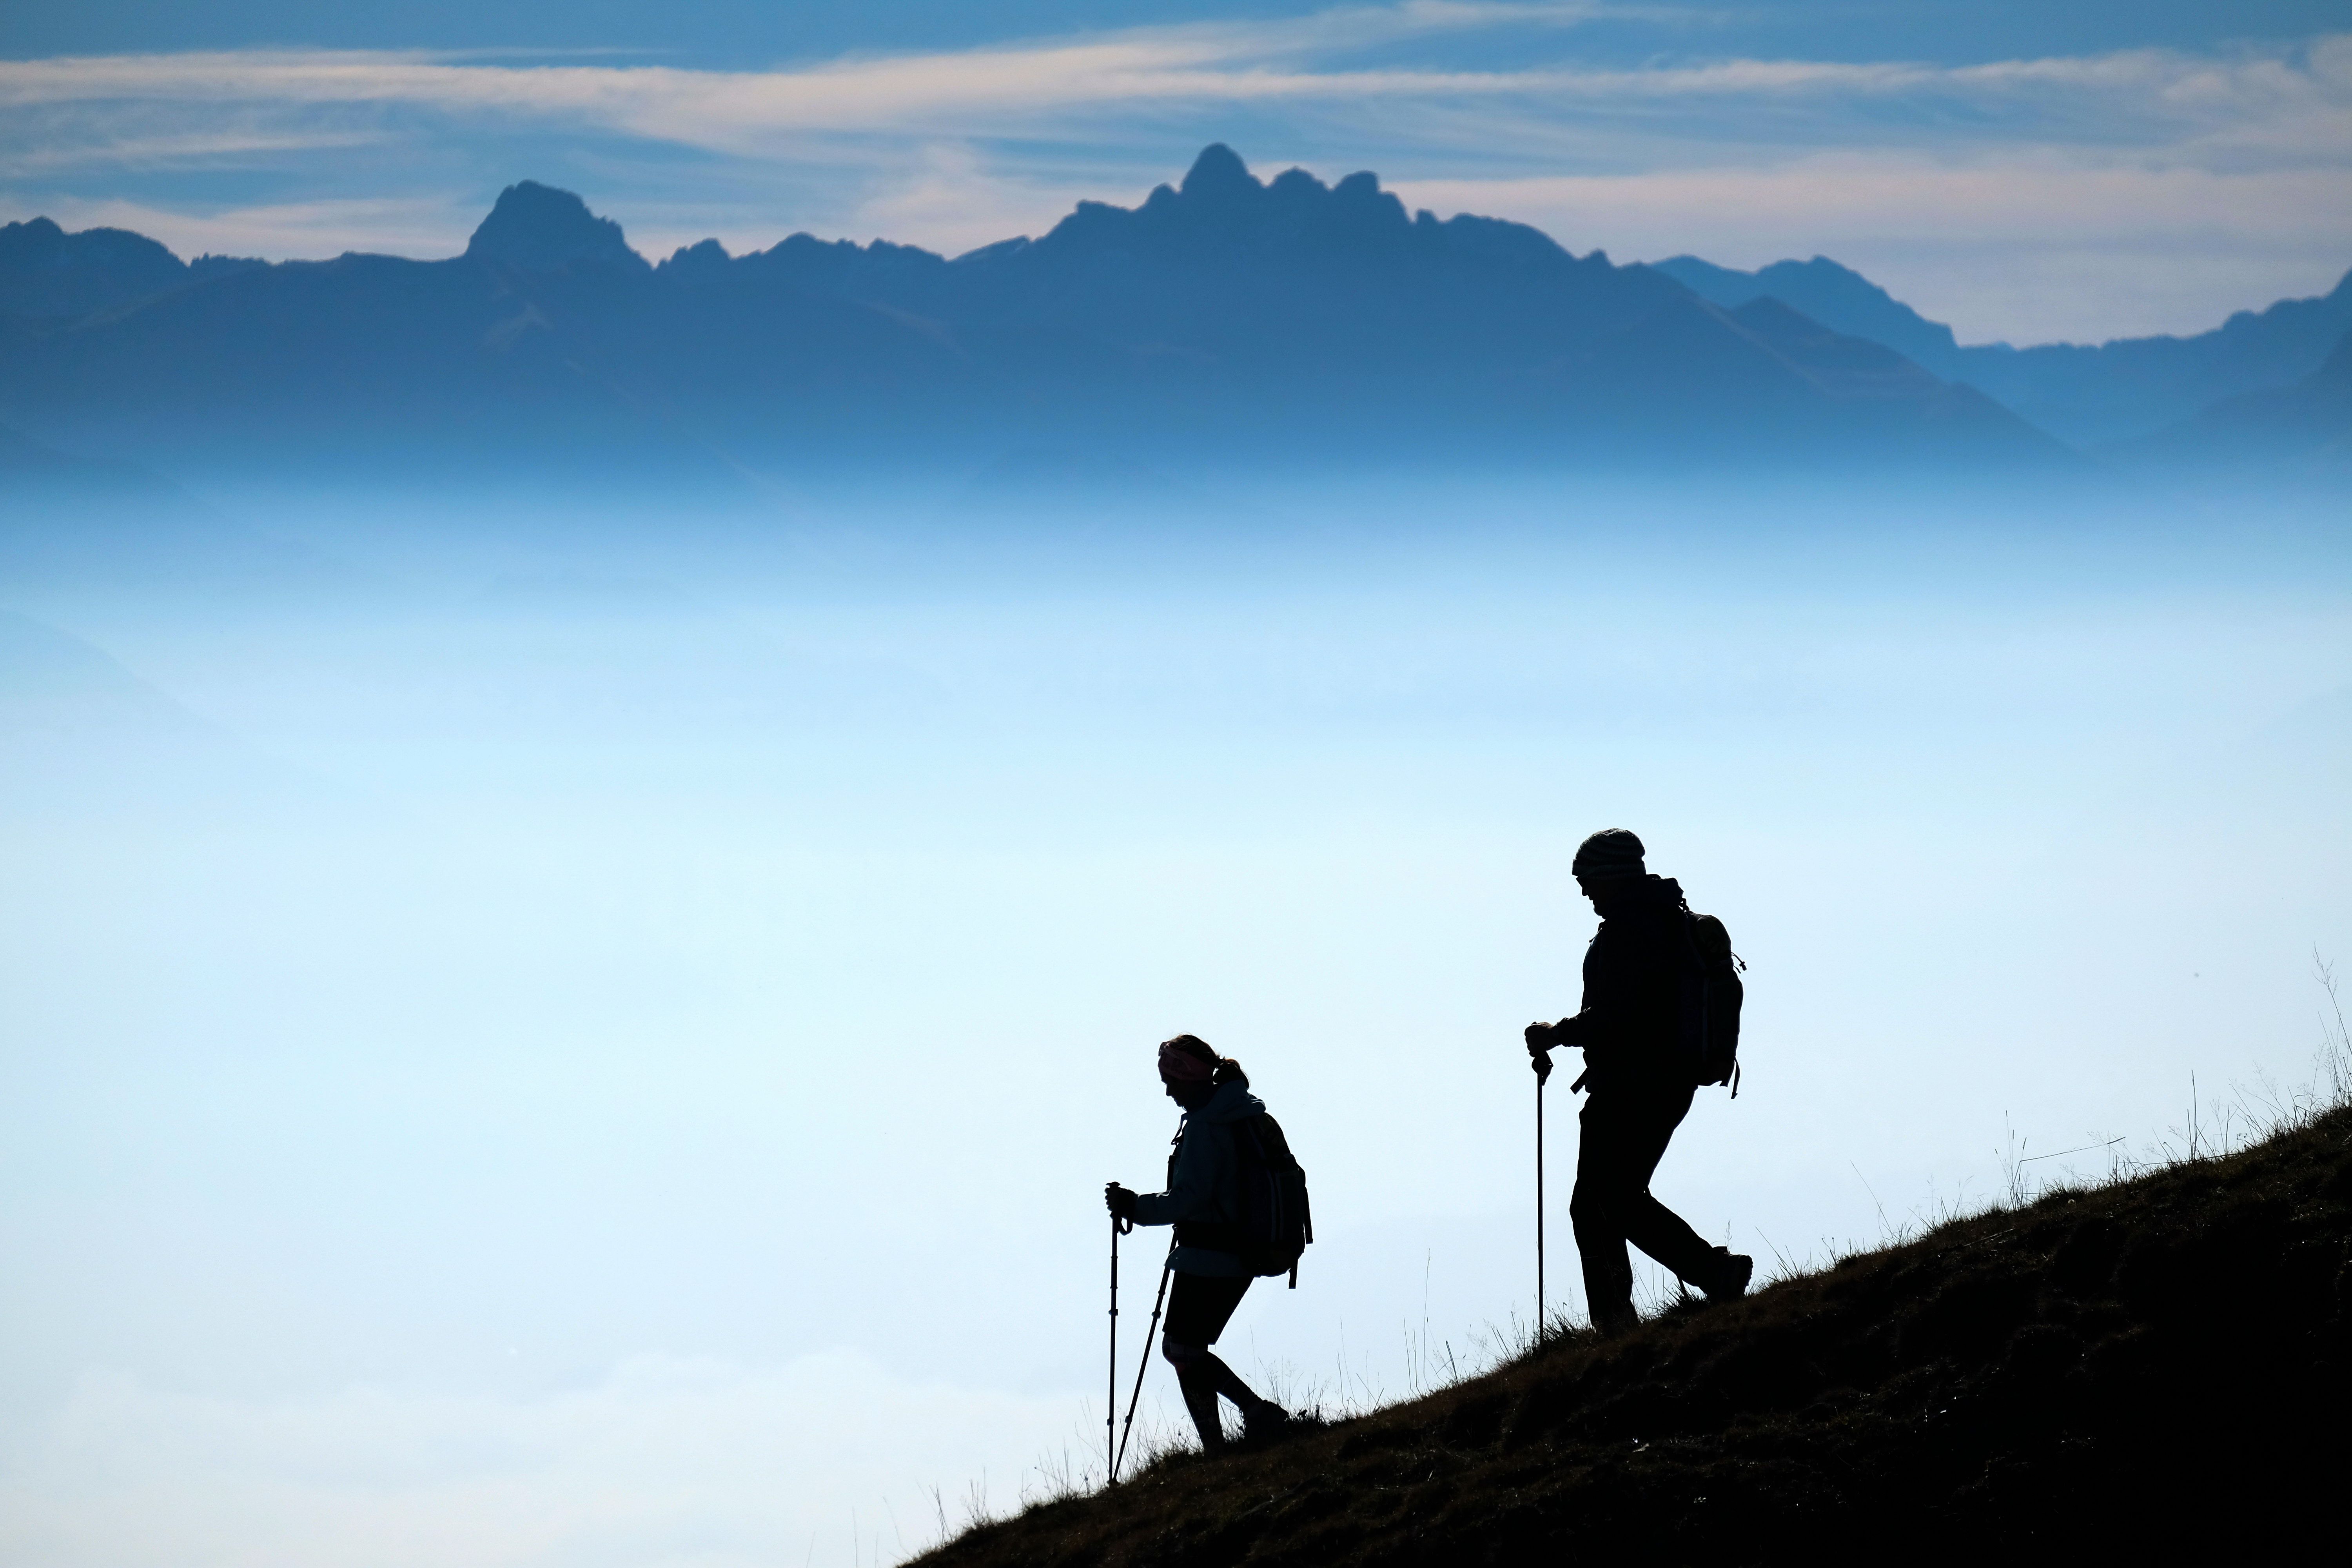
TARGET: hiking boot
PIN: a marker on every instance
(1731, 1283)
(1611, 1321)
(1268, 1423)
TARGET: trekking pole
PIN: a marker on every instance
(1539, 1213)
(1142, 1363)
(1111, 1389)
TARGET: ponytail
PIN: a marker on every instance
(1229, 1070)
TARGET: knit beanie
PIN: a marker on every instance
(1611, 852)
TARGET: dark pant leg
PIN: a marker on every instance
(1624, 1135)
(1198, 1310)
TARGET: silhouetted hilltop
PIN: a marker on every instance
(1225, 320)
(2136, 1373)
(2110, 392)
(45, 272)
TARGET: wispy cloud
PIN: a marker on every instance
(178, 148)
(391, 225)
(1004, 90)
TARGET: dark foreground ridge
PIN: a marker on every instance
(2158, 1364)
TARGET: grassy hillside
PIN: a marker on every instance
(2155, 1366)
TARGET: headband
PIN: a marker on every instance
(1180, 1066)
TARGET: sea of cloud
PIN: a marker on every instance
(617, 1060)
(667, 1459)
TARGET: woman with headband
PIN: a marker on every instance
(1205, 1190)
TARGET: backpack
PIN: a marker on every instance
(1710, 995)
(1274, 1226)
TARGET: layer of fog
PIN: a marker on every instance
(597, 1038)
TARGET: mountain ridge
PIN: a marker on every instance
(1286, 322)
(2106, 396)
(47, 273)
(2091, 393)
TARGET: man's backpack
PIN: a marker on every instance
(1274, 1226)
(1711, 992)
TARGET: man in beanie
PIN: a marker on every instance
(1630, 1031)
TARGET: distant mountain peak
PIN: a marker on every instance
(1220, 171)
(539, 228)
(1221, 211)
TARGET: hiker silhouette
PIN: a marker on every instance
(1639, 1068)
(1205, 1202)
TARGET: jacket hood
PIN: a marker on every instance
(1230, 1103)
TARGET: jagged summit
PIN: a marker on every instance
(1220, 171)
(1220, 209)
(539, 228)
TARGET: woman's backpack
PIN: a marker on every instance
(1275, 1226)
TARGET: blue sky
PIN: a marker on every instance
(751, 33)
(2026, 172)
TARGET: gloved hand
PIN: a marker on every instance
(1540, 1037)
(1118, 1200)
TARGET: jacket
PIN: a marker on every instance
(1630, 1024)
(1204, 1180)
